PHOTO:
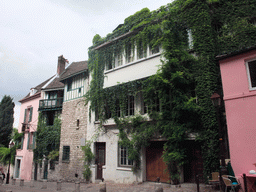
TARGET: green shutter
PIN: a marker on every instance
(30, 114)
(25, 114)
(22, 140)
(34, 140)
(28, 140)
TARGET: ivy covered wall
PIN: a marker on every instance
(217, 26)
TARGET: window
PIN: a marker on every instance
(69, 85)
(123, 159)
(66, 152)
(119, 59)
(31, 140)
(109, 63)
(28, 115)
(141, 51)
(128, 53)
(154, 50)
(251, 69)
(130, 106)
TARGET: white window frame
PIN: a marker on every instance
(248, 73)
(126, 164)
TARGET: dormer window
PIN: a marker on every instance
(32, 91)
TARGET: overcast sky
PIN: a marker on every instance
(33, 33)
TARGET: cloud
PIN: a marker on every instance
(34, 33)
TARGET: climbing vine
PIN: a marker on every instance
(47, 139)
(217, 26)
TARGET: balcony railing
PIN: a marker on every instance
(50, 104)
(25, 127)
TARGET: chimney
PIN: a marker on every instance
(61, 65)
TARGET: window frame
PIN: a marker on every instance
(66, 153)
(69, 85)
(126, 157)
(249, 73)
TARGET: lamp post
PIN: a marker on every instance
(8, 173)
(216, 100)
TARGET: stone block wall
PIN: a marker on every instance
(73, 129)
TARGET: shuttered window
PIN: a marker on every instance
(30, 114)
(28, 140)
(25, 115)
(66, 152)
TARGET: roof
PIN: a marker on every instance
(37, 88)
(234, 53)
(74, 69)
(54, 84)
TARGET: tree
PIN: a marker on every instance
(6, 119)
(8, 154)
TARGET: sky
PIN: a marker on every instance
(33, 33)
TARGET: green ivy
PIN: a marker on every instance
(47, 139)
(217, 26)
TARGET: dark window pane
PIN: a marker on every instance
(252, 70)
(66, 152)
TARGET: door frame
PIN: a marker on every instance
(99, 169)
(16, 167)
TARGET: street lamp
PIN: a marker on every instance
(216, 100)
(8, 173)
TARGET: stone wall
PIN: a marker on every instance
(73, 130)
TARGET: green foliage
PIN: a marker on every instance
(88, 157)
(54, 155)
(8, 154)
(6, 119)
(217, 26)
(48, 138)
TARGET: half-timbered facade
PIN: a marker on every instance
(74, 121)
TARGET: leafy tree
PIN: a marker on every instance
(8, 154)
(6, 119)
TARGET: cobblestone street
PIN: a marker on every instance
(111, 187)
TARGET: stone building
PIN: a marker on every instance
(74, 122)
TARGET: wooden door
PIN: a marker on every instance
(194, 165)
(100, 158)
(155, 166)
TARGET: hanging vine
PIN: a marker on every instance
(47, 139)
(217, 26)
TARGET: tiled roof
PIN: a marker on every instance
(74, 69)
(55, 84)
(38, 89)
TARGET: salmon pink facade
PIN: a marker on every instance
(238, 72)
(27, 125)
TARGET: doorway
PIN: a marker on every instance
(17, 172)
(100, 158)
(194, 165)
(155, 166)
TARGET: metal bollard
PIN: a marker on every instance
(102, 187)
(22, 182)
(58, 185)
(32, 183)
(77, 184)
(13, 181)
(158, 187)
(44, 184)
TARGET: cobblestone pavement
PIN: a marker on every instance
(111, 187)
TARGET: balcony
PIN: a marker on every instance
(50, 104)
(25, 127)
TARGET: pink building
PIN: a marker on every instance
(46, 98)
(238, 72)
(27, 125)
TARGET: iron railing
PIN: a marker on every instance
(50, 104)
